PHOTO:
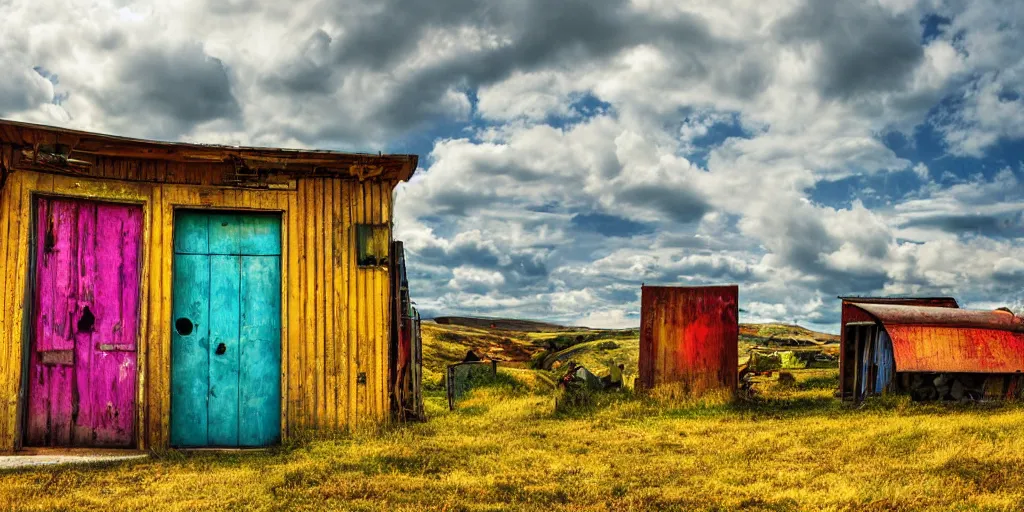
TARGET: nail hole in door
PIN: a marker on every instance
(86, 322)
(183, 326)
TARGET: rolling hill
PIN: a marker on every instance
(524, 345)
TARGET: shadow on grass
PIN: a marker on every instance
(778, 405)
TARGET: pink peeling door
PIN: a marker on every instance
(82, 369)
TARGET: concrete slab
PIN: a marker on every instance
(49, 457)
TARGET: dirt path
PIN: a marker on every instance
(21, 461)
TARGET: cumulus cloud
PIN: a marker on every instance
(574, 150)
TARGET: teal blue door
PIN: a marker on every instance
(226, 330)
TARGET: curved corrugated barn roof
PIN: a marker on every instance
(935, 339)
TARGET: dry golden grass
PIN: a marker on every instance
(506, 449)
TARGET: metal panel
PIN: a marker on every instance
(944, 317)
(930, 339)
(688, 338)
(884, 361)
(461, 377)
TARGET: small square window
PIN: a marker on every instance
(372, 241)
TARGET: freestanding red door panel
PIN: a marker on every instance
(689, 338)
(81, 389)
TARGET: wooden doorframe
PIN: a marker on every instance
(282, 216)
(28, 317)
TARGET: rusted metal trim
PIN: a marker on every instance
(928, 316)
(115, 347)
(936, 300)
(57, 357)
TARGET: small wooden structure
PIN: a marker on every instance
(407, 354)
(689, 339)
(159, 295)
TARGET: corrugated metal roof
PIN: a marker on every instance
(936, 316)
(935, 339)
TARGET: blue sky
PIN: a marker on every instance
(572, 151)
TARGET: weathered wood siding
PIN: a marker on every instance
(335, 315)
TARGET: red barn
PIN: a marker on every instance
(931, 352)
(853, 314)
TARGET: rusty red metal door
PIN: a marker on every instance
(689, 338)
(81, 389)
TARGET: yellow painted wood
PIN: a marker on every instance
(327, 248)
(302, 415)
(349, 293)
(292, 343)
(310, 341)
(281, 203)
(377, 312)
(153, 339)
(14, 344)
(9, 232)
(319, 302)
(362, 352)
(384, 330)
(142, 343)
(340, 340)
(5, 372)
(335, 315)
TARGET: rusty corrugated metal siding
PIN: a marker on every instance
(850, 313)
(931, 339)
(688, 338)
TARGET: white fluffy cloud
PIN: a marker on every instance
(581, 148)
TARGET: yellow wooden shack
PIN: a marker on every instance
(160, 295)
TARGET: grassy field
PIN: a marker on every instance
(505, 448)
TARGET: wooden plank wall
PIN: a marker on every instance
(335, 314)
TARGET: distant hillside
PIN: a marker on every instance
(784, 335)
(770, 333)
(503, 324)
(525, 344)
